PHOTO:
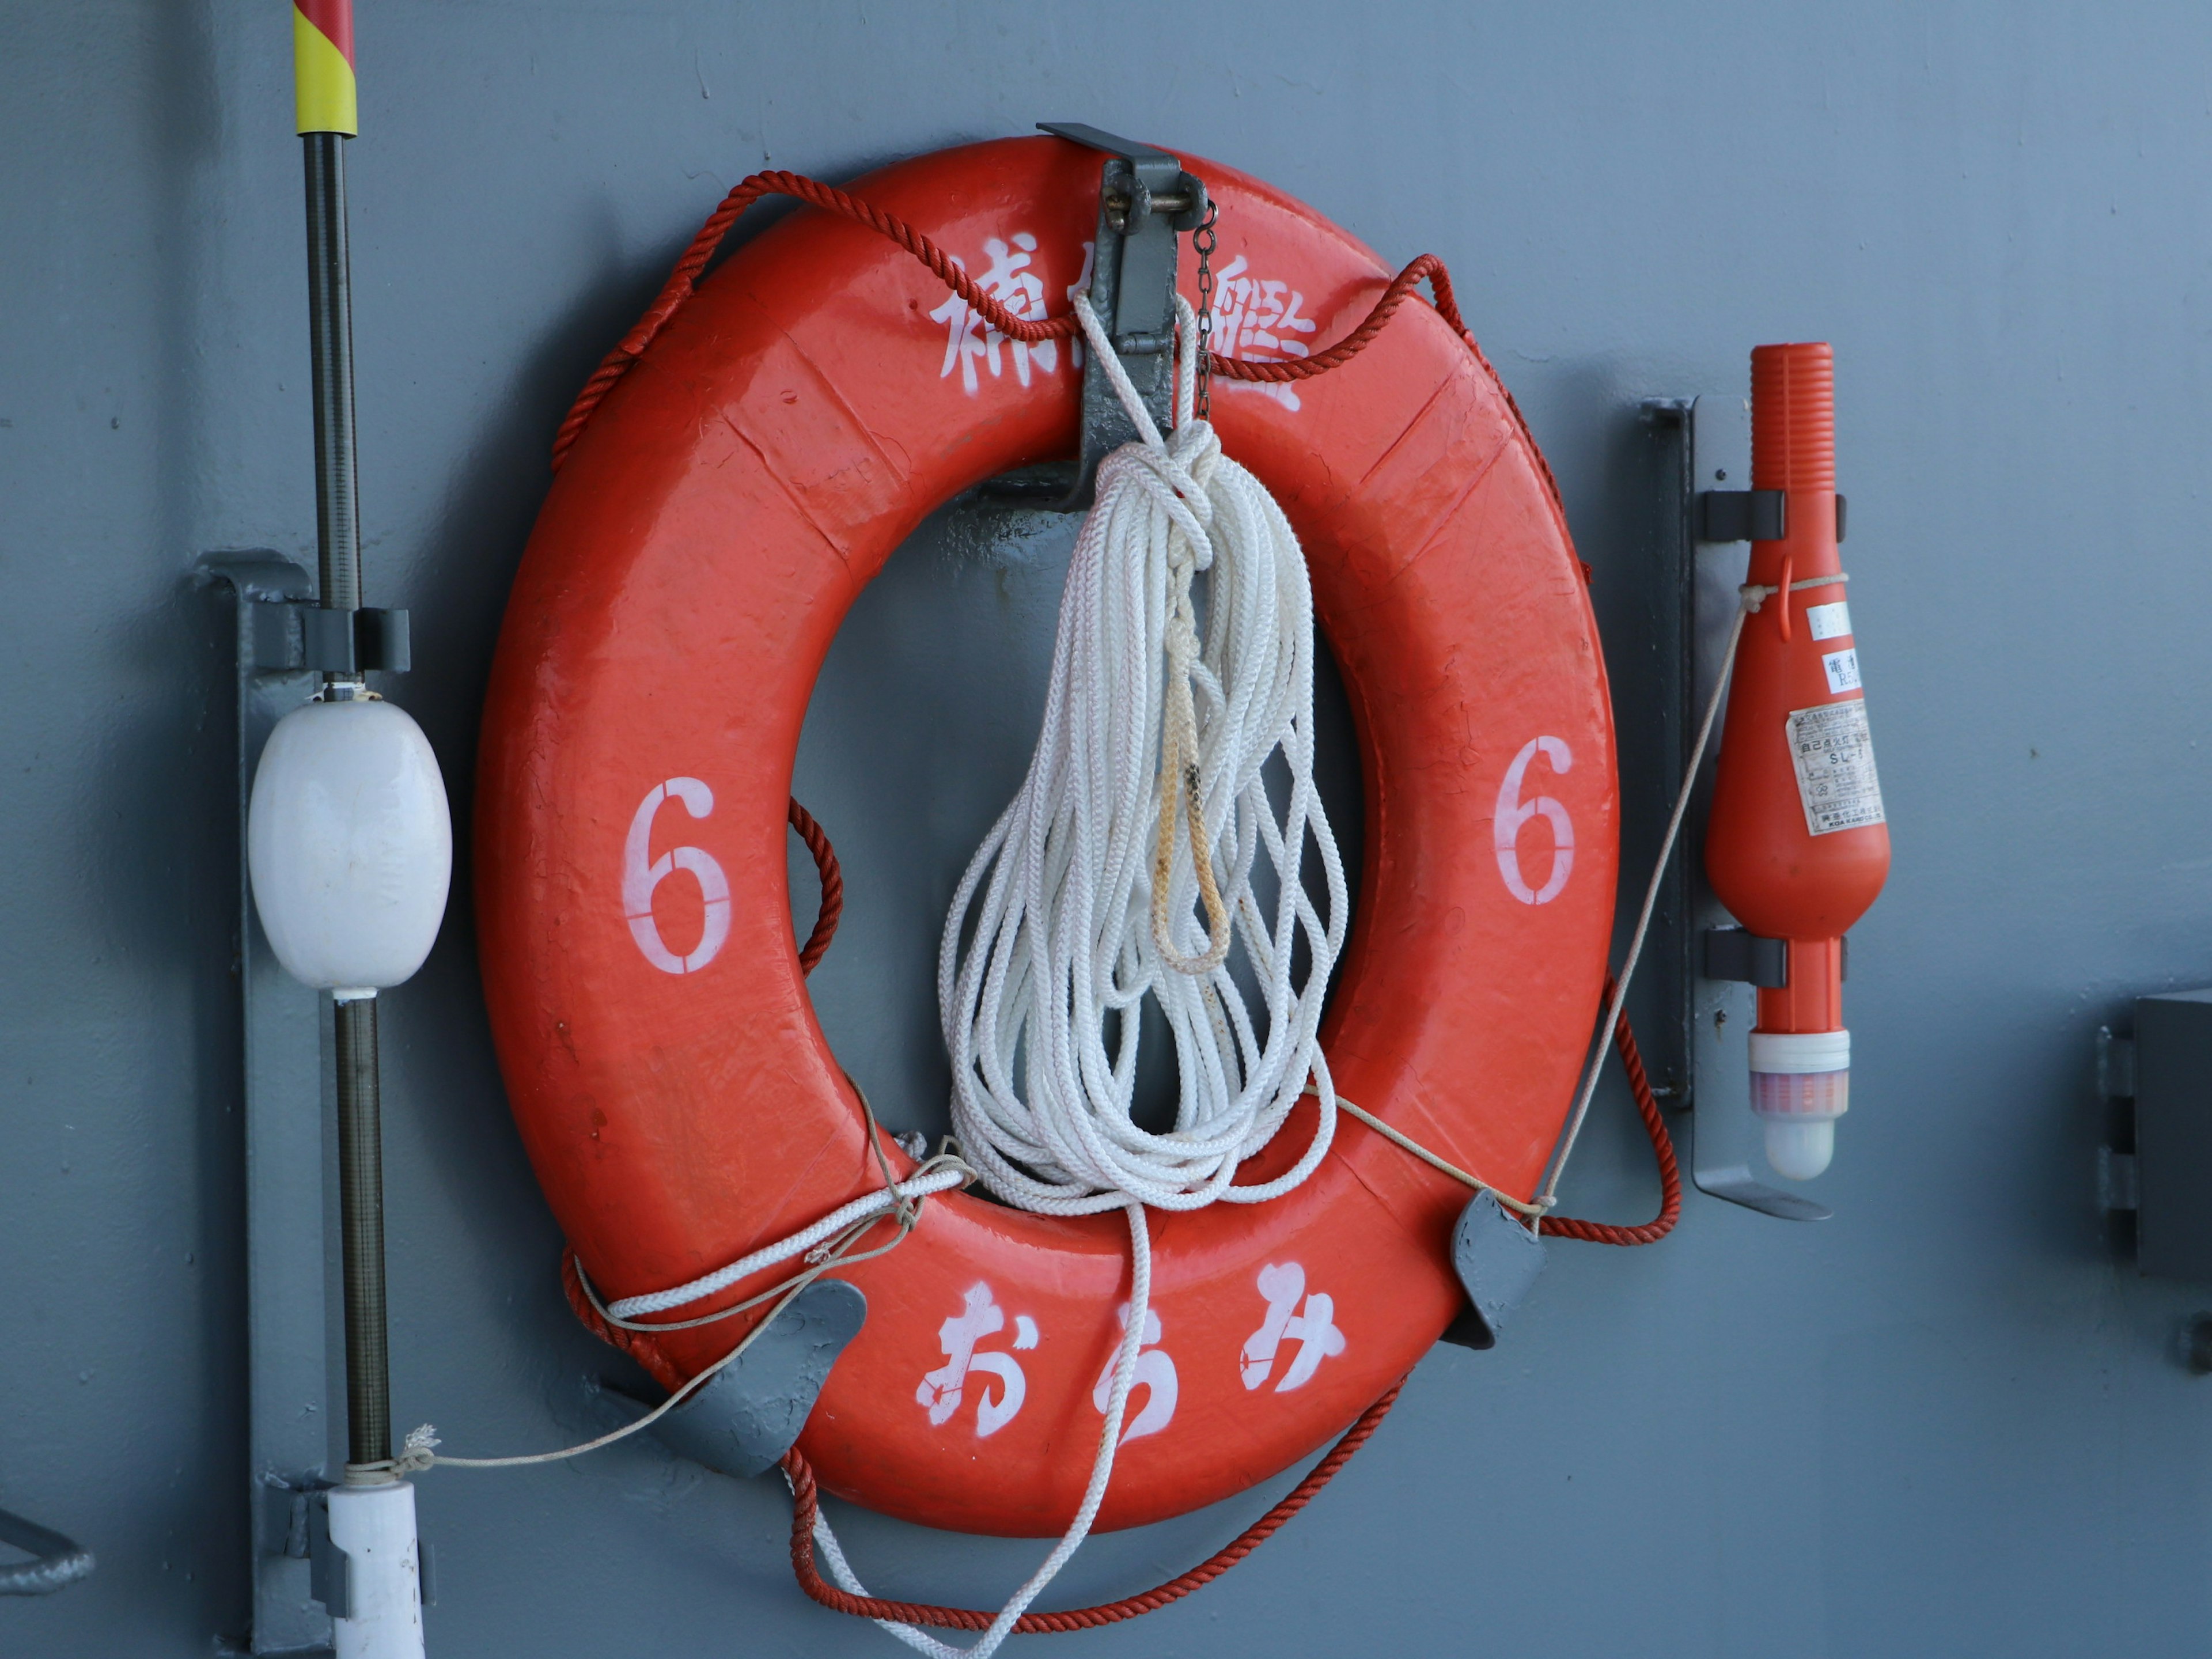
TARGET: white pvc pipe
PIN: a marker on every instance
(374, 1526)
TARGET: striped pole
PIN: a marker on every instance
(371, 1514)
(322, 42)
(322, 66)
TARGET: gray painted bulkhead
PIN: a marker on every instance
(1948, 1422)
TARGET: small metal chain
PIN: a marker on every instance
(1203, 238)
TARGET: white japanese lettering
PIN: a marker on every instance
(1314, 1330)
(941, 1390)
(1154, 1372)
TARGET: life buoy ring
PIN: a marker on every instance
(693, 561)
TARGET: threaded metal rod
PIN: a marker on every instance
(330, 324)
(361, 1221)
(337, 543)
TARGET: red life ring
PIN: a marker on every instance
(787, 431)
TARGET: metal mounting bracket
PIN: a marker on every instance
(1144, 199)
(1701, 560)
(289, 635)
(288, 1332)
(1733, 953)
(1749, 515)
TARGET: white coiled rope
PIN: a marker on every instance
(1123, 869)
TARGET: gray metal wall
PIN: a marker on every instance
(1945, 1422)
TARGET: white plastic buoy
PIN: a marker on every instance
(375, 1527)
(349, 844)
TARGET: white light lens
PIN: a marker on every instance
(1800, 1084)
(349, 844)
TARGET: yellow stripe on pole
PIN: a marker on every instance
(323, 80)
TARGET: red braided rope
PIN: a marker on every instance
(805, 1503)
(833, 886)
(1662, 1148)
(682, 281)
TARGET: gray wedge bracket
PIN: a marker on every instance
(1497, 1259)
(55, 1563)
(1145, 198)
(1709, 965)
(288, 1330)
(745, 1419)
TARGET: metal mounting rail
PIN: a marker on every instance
(287, 1327)
(1712, 966)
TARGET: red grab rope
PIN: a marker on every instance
(832, 906)
(1662, 1149)
(683, 281)
(805, 1503)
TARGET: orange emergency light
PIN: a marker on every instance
(1797, 845)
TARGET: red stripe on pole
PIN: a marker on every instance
(335, 19)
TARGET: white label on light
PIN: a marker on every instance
(1833, 753)
(1829, 622)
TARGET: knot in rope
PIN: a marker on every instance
(418, 1452)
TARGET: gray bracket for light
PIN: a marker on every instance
(1707, 965)
(1145, 198)
(1731, 953)
(1749, 515)
(55, 1563)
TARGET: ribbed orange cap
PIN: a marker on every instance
(1793, 416)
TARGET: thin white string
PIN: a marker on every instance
(937, 1175)
(828, 1243)
(1406, 1143)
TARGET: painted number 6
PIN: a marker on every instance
(641, 878)
(1513, 812)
